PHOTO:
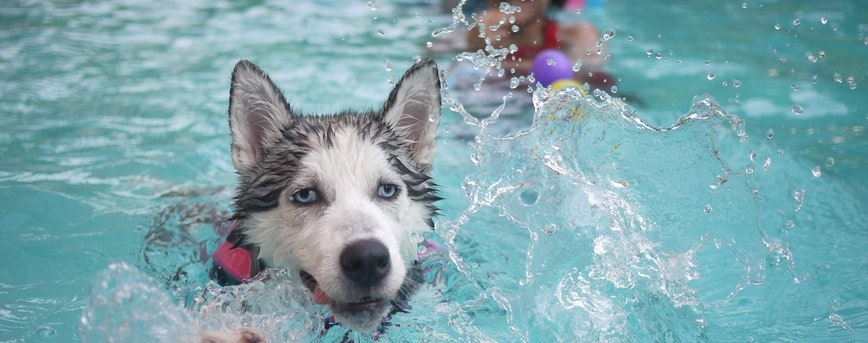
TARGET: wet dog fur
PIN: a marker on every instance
(341, 200)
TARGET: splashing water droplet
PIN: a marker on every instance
(550, 62)
(608, 34)
(46, 331)
(577, 66)
(429, 44)
(799, 196)
(830, 161)
(710, 76)
(798, 110)
(513, 83)
(816, 171)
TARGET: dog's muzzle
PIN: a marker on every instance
(365, 263)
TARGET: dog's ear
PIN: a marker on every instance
(413, 109)
(257, 113)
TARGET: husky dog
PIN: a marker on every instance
(341, 200)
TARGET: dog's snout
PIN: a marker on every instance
(365, 262)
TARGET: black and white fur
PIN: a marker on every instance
(341, 200)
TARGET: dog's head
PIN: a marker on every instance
(341, 199)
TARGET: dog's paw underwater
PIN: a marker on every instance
(340, 200)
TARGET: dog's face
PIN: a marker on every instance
(343, 199)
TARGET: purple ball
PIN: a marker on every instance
(551, 65)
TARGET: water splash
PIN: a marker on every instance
(600, 196)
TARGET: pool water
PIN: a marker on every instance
(724, 201)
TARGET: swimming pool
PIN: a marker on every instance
(743, 222)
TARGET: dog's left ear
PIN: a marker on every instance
(413, 109)
(258, 112)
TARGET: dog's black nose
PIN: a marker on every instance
(366, 262)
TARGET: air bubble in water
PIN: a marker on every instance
(736, 83)
(830, 161)
(388, 64)
(629, 38)
(777, 26)
(373, 5)
(816, 171)
(707, 209)
(798, 110)
(649, 52)
(824, 20)
(710, 76)
(614, 89)
(381, 33)
(789, 224)
(429, 44)
(838, 78)
(795, 87)
(797, 21)
(811, 57)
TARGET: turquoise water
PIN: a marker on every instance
(727, 205)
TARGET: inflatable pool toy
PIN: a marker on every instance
(553, 68)
(550, 66)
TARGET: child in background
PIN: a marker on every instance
(524, 24)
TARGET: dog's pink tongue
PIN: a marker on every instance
(320, 297)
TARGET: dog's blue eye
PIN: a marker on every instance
(305, 196)
(387, 191)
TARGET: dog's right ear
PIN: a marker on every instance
(257, 112)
